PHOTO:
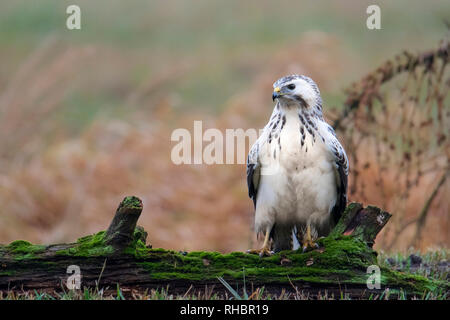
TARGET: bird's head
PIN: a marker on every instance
(297, 90)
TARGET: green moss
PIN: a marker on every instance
(132, 202)
(94, 245)
(343, 221)
(137, 249)
(341, 259)
(338, 260)
(89, 246)
(22, 249)
(22, 246)
(411, 282)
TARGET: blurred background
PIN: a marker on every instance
(86, 115)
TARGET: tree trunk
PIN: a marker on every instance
(120, 256)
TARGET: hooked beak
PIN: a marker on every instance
(276, 93)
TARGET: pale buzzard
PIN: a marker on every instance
(297, 170)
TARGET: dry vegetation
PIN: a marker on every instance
(58, 183)
(65, 189)
(395, 125)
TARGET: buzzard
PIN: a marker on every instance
(296, 170)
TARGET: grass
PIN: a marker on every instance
(164, 294)
(431, 264)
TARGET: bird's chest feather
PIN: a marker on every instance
(300, 180)
(299, 146)
(300, 164)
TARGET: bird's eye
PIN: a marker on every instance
(291, 86)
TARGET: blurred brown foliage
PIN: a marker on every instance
(395, 124)
(55, 188)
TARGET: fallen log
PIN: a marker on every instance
(121, 256)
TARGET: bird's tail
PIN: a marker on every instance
(281, 238)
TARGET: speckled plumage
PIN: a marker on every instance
(297, 169)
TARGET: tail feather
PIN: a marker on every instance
(281, 238)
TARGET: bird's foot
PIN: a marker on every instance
(309, 245)
(264, 251)
(308, 242)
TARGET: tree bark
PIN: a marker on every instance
(362, 223)
(121, 229)
(120, 256)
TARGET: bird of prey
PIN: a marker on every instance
(296, 170)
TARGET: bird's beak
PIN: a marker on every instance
(276, 93)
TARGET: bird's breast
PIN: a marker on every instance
(295, 147)
(300, 146)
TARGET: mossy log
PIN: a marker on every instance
(120, 256)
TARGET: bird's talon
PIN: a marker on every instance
(310, 246)
(265, 252)
(261, 252)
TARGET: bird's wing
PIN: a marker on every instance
(253, 171)
(342, 167)
(253, 159)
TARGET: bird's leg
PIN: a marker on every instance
(308, 243)
(265, 250)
